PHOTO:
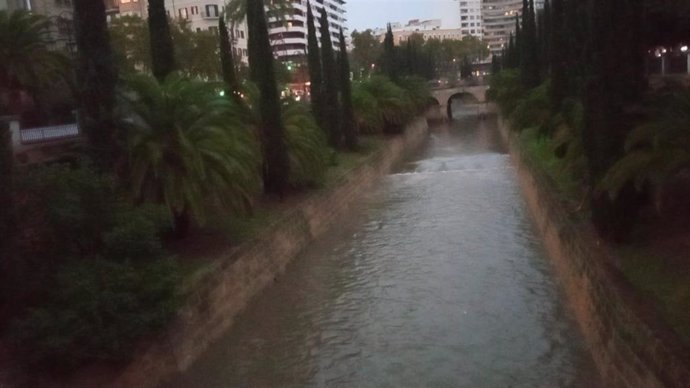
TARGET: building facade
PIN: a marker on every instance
(288, 34)
(498, 18)
(471, 18)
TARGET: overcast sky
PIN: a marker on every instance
(363, 14)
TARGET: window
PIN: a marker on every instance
(194, 10)
(212, 10)
(183, 13)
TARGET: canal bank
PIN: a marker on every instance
(232, 282)
(436, 277)
(631, 345)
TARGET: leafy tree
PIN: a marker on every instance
(129, 36)
(97, 78)
(365, 53)
(315, 70)
(27, 63)
(162, 49)
(348, 115)
(188, 148)
(276, 166)
(331, 108)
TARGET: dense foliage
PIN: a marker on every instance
(596, 69)
(187, 147)
(92, 270)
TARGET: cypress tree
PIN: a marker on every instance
(97, 78)
(227, 63)
(162, 49)
(495, 65)
(388, 60)
(330, 83)
(517, 44)
(315, 75)
(348, 113)
(276, 164)
(529, 58)
(558, 57)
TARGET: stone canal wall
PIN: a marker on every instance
(234, 281)
(631, 346)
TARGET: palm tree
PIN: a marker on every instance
(656, 151)
(307, 147)
(382, 106)
(187, 148)
(27, 63)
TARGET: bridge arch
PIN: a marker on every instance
(444, 97)
(464, 97)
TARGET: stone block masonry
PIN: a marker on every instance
(630, 344)
(234, 281)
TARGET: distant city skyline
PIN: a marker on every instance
(371, 14)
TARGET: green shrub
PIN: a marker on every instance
(505, 89)
(533, 110)
(98, 310)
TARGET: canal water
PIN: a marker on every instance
(436, 280)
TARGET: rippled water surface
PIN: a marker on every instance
(437, 280)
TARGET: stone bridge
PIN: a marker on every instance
(473, 94)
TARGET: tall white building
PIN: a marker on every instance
(288, 35)
(498, 17)
(471, 18)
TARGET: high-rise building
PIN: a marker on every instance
(498, 17)
(471, 18)
(289, 34)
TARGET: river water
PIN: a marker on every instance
(436, 280)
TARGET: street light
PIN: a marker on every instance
(687, 54)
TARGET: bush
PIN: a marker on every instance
(382, 106)
(533, 110)
(505, 89)
(98, 311)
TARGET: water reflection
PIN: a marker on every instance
(437, 280)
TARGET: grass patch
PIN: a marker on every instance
(655, 276)
(540, 152)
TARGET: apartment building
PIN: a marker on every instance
(498, 18)
(288, 35)
(471, 18)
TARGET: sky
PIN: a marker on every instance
(363, 14)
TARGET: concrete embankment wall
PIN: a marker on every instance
(236, 280)
(631, 346)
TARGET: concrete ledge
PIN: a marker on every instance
(630, 344)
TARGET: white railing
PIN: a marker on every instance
(44, 134)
